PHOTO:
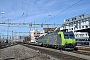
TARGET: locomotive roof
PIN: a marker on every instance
(68, 32)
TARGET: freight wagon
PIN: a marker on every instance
(60, 40)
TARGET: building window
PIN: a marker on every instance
(83, 20)
(79, 21)
(75, 28)
(72, 29)
(86, 26)
(72, 19)
(82, 26)
(71, 22)
(82, 35)
(75, 18)
(82, 16)
(76, 35)
(79, 16)
(67, 24)
(68, 20)
(87, 19)
(79, 27)
(74, 22)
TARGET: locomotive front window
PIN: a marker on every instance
(72, 36)
(66, 36)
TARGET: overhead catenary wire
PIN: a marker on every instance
(28, 6)
(63, 11)
(47, 10)
(43, 11)
(24, 5)
(50, 6)
(25, 14)
(22, 8)
(25, 9)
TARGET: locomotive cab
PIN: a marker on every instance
(68, 40)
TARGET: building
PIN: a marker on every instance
(48, 30)
(35, 34)
(77, 23)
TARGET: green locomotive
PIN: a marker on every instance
(59, 40)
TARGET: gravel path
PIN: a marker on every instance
(20, 52)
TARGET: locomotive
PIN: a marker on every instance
(59, 40)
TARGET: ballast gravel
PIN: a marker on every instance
(19, 52)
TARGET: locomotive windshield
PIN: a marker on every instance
(69, 35)
(66, 36)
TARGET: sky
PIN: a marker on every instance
(40, 11)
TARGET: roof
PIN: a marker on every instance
(84, 30)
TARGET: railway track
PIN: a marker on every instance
(56, 53)
(82, 52)
(6, 45)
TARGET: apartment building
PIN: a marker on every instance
(77, 23)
